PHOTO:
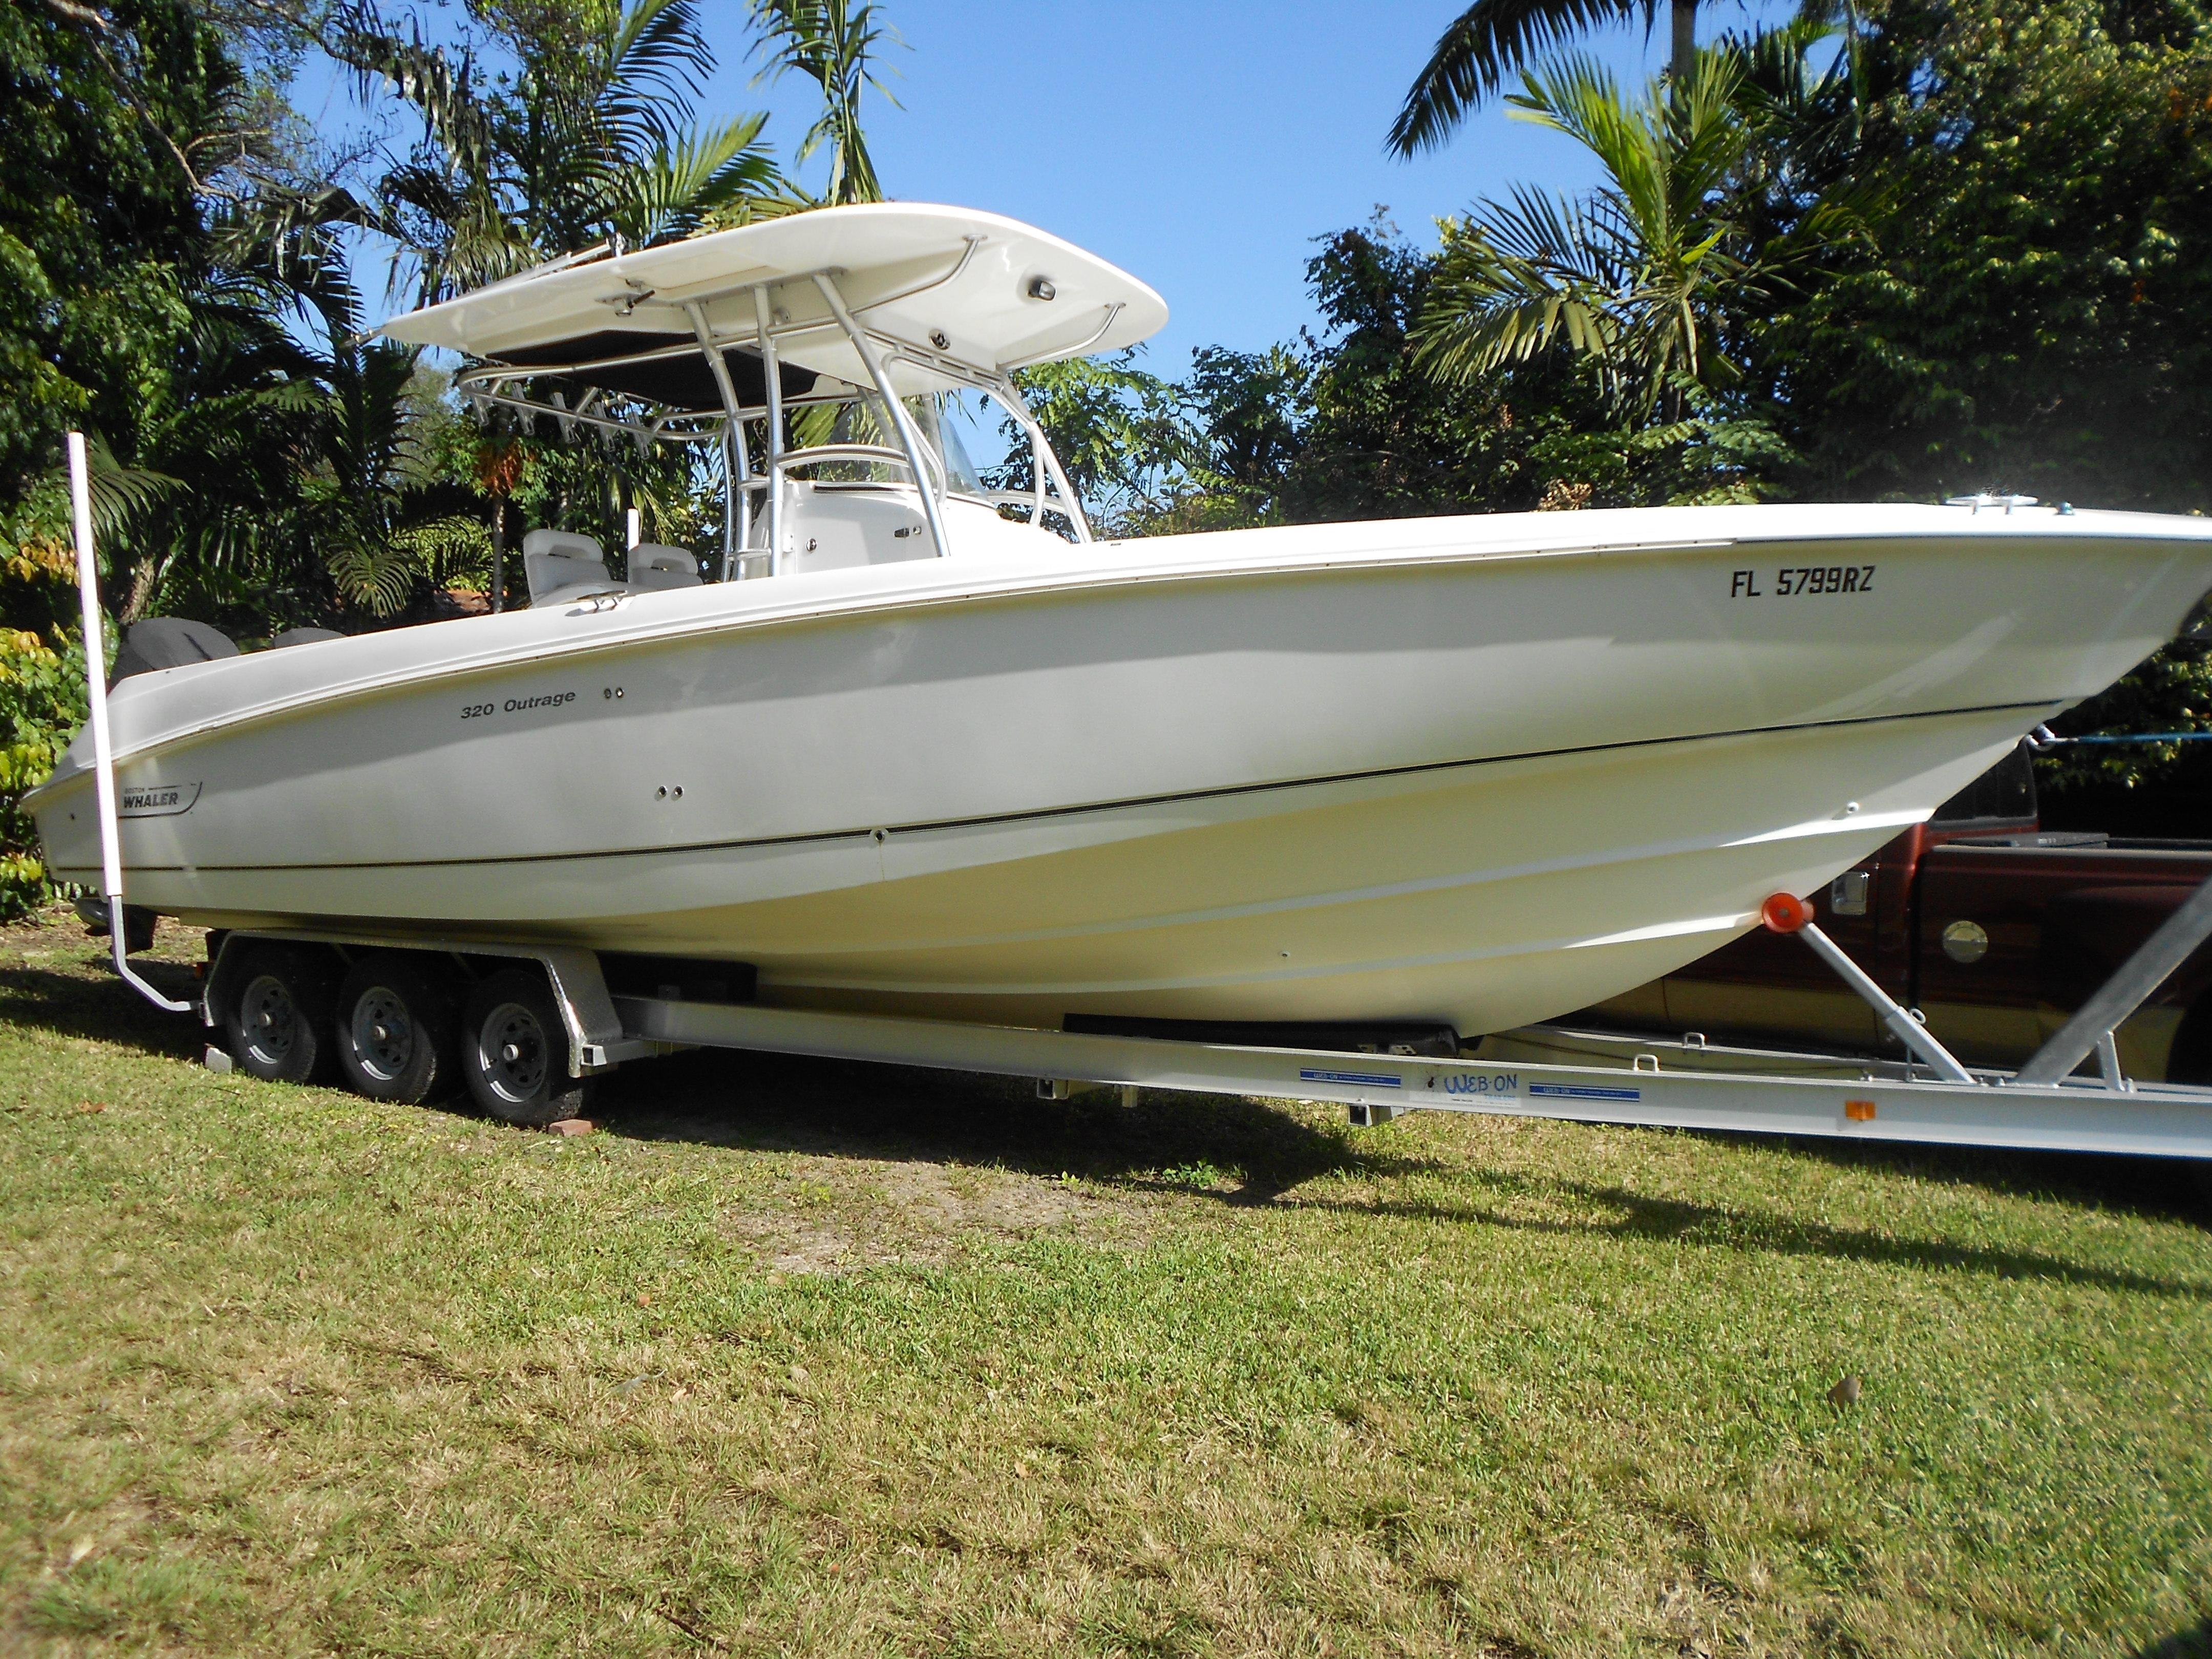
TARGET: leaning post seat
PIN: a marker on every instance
(655, 567)
(292, 636)
(560, 564)
(162, 642)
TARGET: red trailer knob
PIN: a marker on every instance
(1785, 913)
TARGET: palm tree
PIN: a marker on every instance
(1655, 276)
(1492, 39)
(833, 43)
(211, 440)
(1637, 276)
(591, 141)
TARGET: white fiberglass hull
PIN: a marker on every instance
(1480, 770)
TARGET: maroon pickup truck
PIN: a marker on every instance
(1993, 927)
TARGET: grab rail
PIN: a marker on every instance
(868, 453)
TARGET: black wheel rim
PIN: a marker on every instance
(512, 1052)
(270, 1019)
(383, 1034)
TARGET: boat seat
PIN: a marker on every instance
(292, 636)
(655, 567)
(162, 642)
(561, 565)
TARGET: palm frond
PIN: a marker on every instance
(657, 59)
(1496, 301)
(1579, 242)
(1483, 46)
(452, 551)
(379, 576)
(121, 495)
(836, 45)
(1636, 276)
(440, 89)
(700, 173)
(287, 236)
(781, 202)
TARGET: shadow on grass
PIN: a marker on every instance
(101, 1007)
(781, 1103)
(1195, 1145)
(838, 1108)
(2170, 1187)
(1640, 1216)
(2195, 1643)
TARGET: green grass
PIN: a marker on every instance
(798, 1357)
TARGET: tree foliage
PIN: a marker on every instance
(176, 280)
(837, 45)
(1653, 277)
(1488, 43)
(101, 241)
(2031, 315)
(589, 139)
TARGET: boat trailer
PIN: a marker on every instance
(1547, 1071)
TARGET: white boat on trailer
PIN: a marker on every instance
(911, 759)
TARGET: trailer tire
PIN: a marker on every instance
(514, 1051)
(397, 1029)
(277, 1027)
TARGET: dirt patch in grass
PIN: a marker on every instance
(866, 1213)
(55, 934)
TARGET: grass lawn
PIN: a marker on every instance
(807, 1357)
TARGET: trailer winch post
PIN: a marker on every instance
(2127, 990)
(103, 755)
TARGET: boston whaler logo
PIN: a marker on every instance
(154, 801)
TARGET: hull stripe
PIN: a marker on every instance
(1041, 814)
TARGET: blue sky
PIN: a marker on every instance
(1202, 146)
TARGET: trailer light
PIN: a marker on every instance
(1785, 913)
(1859, 1111)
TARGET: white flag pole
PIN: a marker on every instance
(103, 755)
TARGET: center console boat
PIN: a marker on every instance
(894, 742)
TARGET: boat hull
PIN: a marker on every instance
(1272, 776)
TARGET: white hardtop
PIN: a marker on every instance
(999, 294)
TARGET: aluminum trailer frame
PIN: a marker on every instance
(1627, 1080)
(2068, 1116)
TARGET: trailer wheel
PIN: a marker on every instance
(514, 1051)
(278, 1025)
(396, 1030)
